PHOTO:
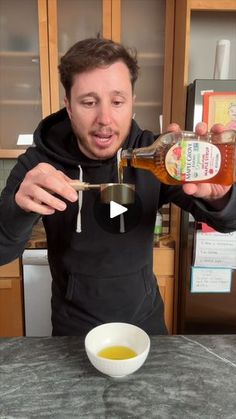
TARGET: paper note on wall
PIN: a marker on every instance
(215, 249)
(211, 280)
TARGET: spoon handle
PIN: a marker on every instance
(83, 186)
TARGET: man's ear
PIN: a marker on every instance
(68, 107)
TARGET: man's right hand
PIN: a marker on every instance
(37, 190)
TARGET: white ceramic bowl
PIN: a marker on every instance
(117, 334)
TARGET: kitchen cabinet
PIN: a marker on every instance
(11, 300)
(29, 58)
(24, 83)
(70, 21)
(119, 20)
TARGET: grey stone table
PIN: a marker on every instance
(183, 377)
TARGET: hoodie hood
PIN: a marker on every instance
(54, 136)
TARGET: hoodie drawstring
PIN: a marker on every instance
(80, 202)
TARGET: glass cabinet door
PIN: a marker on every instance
(143, 28)
(20, 89)
(77, 20)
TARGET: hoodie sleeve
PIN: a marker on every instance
(223, 221)
(15, 224)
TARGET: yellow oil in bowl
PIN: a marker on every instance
(117, 352)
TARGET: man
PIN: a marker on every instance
(97, 276)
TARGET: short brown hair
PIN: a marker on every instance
(92, 53)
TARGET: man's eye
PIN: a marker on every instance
(118, 102)
(89, 103)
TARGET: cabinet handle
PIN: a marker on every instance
(5, 284)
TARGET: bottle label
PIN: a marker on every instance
(189, 161)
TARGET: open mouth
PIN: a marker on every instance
(102, 139)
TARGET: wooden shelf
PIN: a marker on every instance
(147, 104)
(216, 5)
(20, 54)
(10, 154)
(150, 55)
(16, 102)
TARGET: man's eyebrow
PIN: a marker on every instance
(95, 95)
(88, 94)
(119, 92)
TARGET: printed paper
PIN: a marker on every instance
(215, 249)
(211, 280)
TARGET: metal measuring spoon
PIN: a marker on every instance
(122, 193)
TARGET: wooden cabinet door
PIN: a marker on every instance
(69, 22)
(23, 99)
(11, 300)
(147, 27)
(139, 24)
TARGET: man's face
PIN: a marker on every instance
(100, 109)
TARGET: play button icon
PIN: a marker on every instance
(115, 218)
(116, 209)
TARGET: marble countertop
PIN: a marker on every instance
(183, 377)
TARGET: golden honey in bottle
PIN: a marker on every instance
(181, 157)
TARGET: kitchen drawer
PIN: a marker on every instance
(10, 270)
(11, 307)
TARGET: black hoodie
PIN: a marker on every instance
(97, 276)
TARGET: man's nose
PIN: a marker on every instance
(104, 114)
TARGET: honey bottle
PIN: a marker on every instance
(181, 157)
